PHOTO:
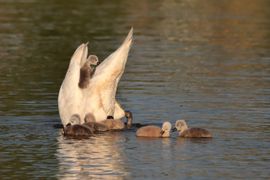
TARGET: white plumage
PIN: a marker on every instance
(99, 97)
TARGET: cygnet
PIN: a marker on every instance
(155, 131)
(184, 131)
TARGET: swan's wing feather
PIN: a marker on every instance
(84, 54)
(70, 94)
(108, 74)
(73, 73)
(115, 63)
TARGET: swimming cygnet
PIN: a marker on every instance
(118, 124)
(77, 130)
(184, 131)
(155, 131)
(90, 121)
(87, 71)
(108, 124)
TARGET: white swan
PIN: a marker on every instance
(99, 97)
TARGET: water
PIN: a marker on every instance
(207, 62)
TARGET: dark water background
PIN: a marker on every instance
(204, 61)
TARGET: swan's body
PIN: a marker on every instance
(155, 131)
(185, 132)
(99, 97)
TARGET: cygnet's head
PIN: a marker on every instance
(166, 128)
(118, 124)
(180, 125)
(92, 60)
(75, 119)
(89, 117)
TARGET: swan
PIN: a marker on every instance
(98, 97)
(155, 131)
(184, 131)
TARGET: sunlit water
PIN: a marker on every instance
(204, 61)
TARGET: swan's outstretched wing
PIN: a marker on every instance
(114, 64)
(108, 74)
(70, 94)
(73, 73)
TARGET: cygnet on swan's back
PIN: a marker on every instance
(155, 131)
(87, 71)
(184, 131)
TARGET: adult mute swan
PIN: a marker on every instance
(98, 97)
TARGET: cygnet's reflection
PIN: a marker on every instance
(96, 157)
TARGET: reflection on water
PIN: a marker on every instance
(204, 61)
(91, 158)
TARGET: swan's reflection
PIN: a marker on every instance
(97, 157)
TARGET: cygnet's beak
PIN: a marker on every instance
(97, 63)
(162, 132)
(174, 129)
(94, 65)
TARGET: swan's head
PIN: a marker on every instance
(75, 119)
(166, 128)
(92, 60)
(180, 125)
